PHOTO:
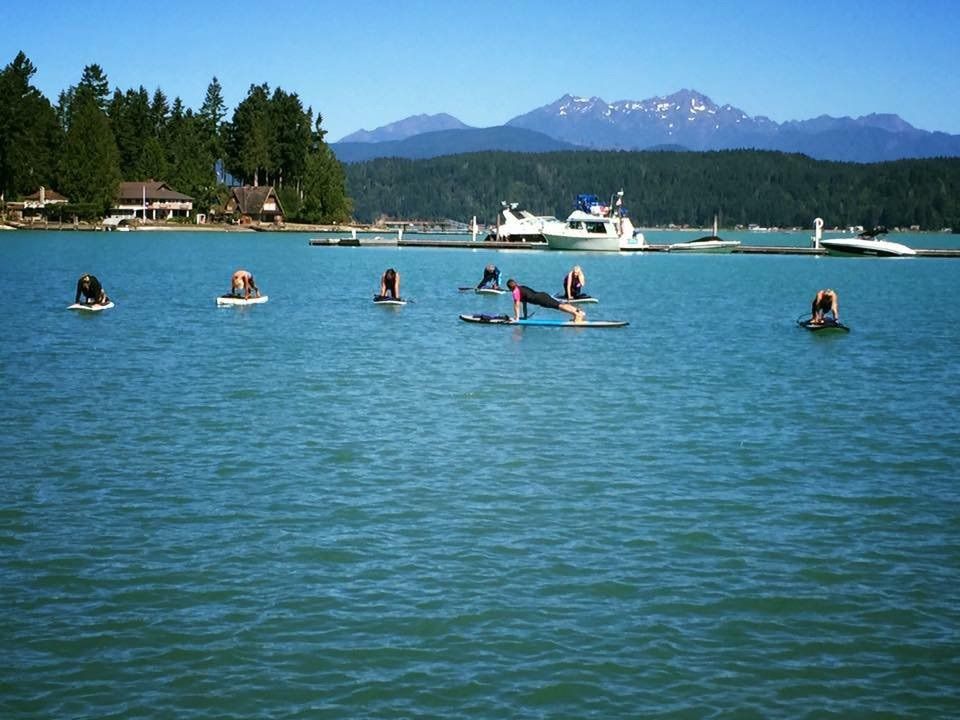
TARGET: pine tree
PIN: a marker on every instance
(30, 135)
(249, 137)
(211, 116)
(90, 162)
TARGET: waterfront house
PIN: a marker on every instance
(150, 200)
(255, 204)
(35, 205)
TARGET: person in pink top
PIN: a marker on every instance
(523, 295)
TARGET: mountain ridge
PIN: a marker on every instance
(688, 119)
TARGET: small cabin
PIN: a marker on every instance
(255, 204)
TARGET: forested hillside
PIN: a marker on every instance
(768, 188)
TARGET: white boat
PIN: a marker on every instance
(706, 244)
(514, 224)
(869, 243)
(593, 226)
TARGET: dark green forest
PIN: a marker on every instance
(90, 139)
(660, 188)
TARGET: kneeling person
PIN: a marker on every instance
(89, 287)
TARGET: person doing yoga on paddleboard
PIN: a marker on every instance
(524, 295)
(825, 301)
(89, 287)
(573, 283)
(390, 284)
(491, 274)
(242, 283)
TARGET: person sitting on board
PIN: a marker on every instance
(491, 274)
(825, 301)
(573, 283)
(523, 295)
(390, 283)
(242, 281)
(92, 291)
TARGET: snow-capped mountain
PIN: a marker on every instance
(686, 118)
(690, 120)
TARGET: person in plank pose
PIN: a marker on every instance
(573, 283)
(523, 295)
(242, 282)
(89, 287)
(825, 301)
(390, 283)
(491, 274)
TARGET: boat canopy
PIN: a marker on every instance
(592, 205)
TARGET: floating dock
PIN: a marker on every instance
(494, 245)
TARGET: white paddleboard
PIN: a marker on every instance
(90, 308)
(576, 300)
(490, 291)
(378, 300)
(234, 300)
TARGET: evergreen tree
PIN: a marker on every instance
(249, 137)
(211, 116)
(190, 162)
(30, 135)
(132, 125)
(159, 113)
(291, 139)
(94, 83)
(324, 185)
(90, 162)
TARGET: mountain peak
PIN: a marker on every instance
(408, 127)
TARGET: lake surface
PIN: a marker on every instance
(321, 508)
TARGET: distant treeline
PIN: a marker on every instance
(660, 188)
(90, 140)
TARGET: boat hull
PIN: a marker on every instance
(706, 246)
(866, 248)
(573, 242)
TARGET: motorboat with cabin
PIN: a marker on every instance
(869, 243)
(514, 224)
(706, 244)
(593, 225)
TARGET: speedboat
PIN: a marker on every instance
(706, 244)
(869, 243)
(514, 224)
(593, 226)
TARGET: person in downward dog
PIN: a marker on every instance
(390, 285)
(825, 301)
(522, 295)
(242, 283)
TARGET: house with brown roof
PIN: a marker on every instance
(255, 204)
(35, 204)
(150, 200)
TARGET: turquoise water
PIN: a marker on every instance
(321, 508)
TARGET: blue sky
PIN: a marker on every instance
(363, 64)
